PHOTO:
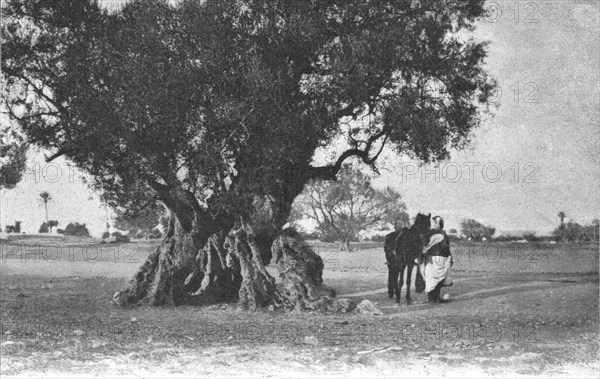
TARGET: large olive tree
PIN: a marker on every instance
(216, 107)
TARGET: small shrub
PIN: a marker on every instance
(16, 228)
(120, 238)
(43, 228)
(531, 237)
(75, 229)
(105, 235)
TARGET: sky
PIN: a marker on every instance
(537, 154)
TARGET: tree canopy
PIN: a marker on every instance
(13, 157)
(221, 95)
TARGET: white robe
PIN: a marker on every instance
(435, 269)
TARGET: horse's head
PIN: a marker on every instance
(422, 223)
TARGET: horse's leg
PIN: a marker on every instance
(392, 279)
(409, 269)
(400, 281)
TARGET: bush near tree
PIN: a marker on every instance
(75, 229)
(46, 227)
(119, 237)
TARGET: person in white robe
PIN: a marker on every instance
(437, 261)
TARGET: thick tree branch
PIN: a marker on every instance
(329, 172)
(59, 153)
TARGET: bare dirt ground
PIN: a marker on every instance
(517, 310)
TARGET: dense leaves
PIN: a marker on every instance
(229, 99)
(75, 229)
(13, 157)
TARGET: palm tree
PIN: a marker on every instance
(562, 216)
(45, 198)
(561, 228)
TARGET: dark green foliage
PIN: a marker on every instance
(43, 228)
(46, 227)
(119, 237)
(16, 228)
(574, 232)
(13, 157)
(507, 238)
(75, 229)
(476, 230)
(205, 95)
(532, 237)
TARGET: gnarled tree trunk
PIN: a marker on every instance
(301, 271)
(204, 260)
(258, 288)
(179, 269)
(186, 263)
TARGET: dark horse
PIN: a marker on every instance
(409, 247)
(389, 247)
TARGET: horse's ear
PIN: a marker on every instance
(429, 215)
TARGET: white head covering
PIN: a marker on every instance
(437, 222)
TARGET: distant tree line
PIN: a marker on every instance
(476, 231)
(574, 232)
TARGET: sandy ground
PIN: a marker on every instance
(509, 316)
